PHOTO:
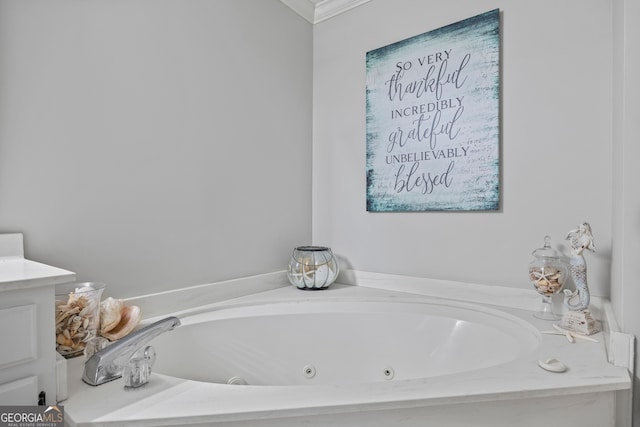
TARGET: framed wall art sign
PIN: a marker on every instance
(433, 120)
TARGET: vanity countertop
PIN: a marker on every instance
(19, 273)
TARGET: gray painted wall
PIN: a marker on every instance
(156, 144)
(556, 143)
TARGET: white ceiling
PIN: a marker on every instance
(316, 11)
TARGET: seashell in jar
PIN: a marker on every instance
(76, 318)
(75, 325)
(547, 280)
(556, 278)
(64, 340)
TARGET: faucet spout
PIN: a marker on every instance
(108, 364)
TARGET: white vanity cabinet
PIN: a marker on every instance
(27, 325)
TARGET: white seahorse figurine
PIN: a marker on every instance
(580, 240)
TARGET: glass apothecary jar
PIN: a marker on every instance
(77, 316)
(312, 267)
(547, 273)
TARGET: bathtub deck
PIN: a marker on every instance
(498, 394)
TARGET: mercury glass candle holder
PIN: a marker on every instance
(312, 267)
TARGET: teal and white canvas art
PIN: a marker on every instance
(433, 120)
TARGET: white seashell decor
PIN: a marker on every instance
(81, 316)
(118, 320)
(77, 316)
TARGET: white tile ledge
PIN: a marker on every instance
(163, 303)
(521, 298)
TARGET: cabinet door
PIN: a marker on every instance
(20, 392)
(19, 333)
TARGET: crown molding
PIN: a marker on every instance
(316, 11)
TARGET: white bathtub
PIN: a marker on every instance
(328, 342)
(356, 356)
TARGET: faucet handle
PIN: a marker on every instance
(138, 368)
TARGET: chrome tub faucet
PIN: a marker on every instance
(129, 357)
